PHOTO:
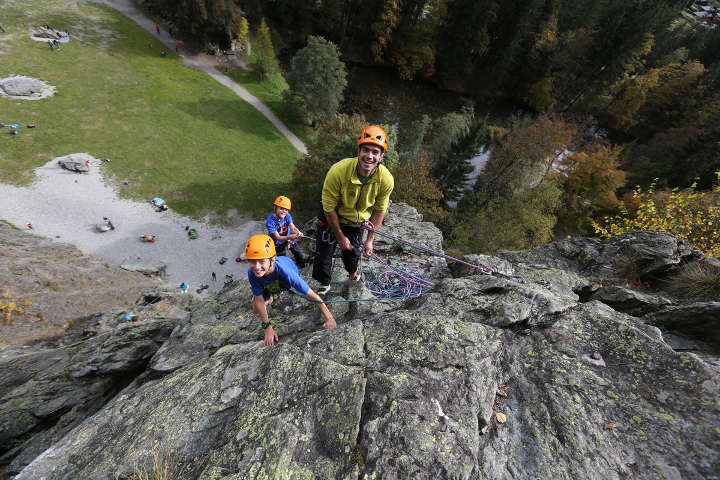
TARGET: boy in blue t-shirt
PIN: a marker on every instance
(270, 275)
(281, 228)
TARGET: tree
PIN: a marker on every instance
(383, 28)
(415, 186)
(591, 180)
(263, 41)
(265, 61)
(464, 136)
(317, 80)
(517, 197)
(630, 97)
(243, 29)
(204, 21)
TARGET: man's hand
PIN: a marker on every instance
(329, 322)
(344, 242)
(367, 249)
(270, 336)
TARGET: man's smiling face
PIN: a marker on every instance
(369, 156)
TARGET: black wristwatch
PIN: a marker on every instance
(265, 325)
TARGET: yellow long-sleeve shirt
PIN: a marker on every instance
(354, 202)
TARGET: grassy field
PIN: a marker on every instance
(170, 131)
(270, 93)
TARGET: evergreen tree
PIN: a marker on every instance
(264, 52)
(450, 145)
(317, 80)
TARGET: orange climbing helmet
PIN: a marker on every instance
(375, 135)
(283, 201)
(259, 247)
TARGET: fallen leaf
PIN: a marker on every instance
(501, 418)
(609, 426)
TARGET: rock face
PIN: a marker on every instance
(49, 388)
(54, 283)
(484, 377)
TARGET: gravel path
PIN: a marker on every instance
(205, 63)
(67, 206)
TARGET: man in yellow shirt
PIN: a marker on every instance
(355, 190)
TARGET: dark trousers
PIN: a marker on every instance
(296, 251)
(326, 243)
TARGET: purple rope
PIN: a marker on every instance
(481, 268)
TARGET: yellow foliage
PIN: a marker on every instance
(243, 30)
(384, 28)
(547, 38)
(688, 214)
(539, 95)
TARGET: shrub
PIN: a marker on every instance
(161, 468)
(688, 214)
(696, 280)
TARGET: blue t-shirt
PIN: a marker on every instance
(284, 277)
(282, 227)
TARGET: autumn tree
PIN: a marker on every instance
(243, 29)
(591, 181)
(688, 214)
(630, 96)
(317, 81)
(516, 199)
(384, 27)
(264, 53)
(415, 185)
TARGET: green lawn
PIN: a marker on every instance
(270, 93)
(171, 131)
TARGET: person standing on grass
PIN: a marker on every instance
(269, 275)
(283, 231)
(355, 190)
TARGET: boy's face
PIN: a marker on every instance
(262, 267)
(280, 212)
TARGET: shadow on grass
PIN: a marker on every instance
(232, 114)
(250, 198)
